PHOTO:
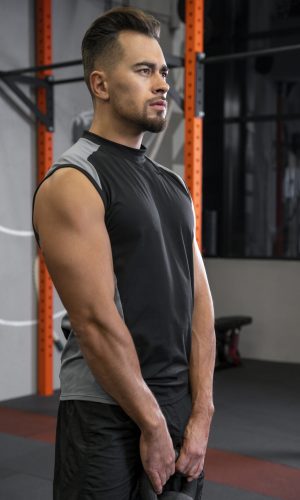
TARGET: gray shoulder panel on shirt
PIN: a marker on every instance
(77, 155)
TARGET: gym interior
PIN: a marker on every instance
(235, 75)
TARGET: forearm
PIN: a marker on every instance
(193, 450)
(111, 355)
(202, 360)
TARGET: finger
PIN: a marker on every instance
(156, 482)
(163, 478)
(195, 472)
(183, 463)
(191, 468)
(172, 469)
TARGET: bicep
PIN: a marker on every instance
(201, 286)
(69, 215)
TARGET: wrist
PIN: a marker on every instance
(203, 410)
(153, 423)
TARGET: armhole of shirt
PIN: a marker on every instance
(183, 184)
(175, 175)
(51, 172)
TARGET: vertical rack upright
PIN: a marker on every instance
(43, 37)
(194, 44)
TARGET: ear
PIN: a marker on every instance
(99, 85)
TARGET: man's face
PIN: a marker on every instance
(137, 84)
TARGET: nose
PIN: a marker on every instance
(160, 85)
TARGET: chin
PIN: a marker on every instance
(155, 126)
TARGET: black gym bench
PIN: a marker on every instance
(227, 330)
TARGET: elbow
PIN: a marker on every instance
(100, 329)
(88, 326)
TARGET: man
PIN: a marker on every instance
(117, 233)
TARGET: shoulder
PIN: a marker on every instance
(65, 177)
(65, 180)
(66, 195)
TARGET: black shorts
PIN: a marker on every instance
(97, 453)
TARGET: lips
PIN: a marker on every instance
(160, 104)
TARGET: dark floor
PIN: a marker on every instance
(254, 447)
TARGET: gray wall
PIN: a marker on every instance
(268, 291)
(17, 174)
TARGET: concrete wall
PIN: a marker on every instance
(268, 291)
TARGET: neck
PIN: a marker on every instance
(115, 131)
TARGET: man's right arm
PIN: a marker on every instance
(69, 217)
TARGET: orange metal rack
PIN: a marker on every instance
(194, 43)
(44, 161)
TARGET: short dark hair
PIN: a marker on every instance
(100, 43)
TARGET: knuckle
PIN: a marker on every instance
(196, 455)
(152, 472)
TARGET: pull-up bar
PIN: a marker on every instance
(10, 78)
(172, 62)
(251, 53)
(46, 81)
(42, 67)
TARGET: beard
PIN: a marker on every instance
(155, 125)
(140, 120)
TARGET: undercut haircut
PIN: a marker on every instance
(100, 44)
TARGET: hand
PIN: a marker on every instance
(158, 456)
(193, 450)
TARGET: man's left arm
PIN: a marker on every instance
(202, 362)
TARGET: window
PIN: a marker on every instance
(251, 173)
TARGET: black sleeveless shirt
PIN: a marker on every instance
(150, 223)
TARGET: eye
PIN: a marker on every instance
(165, 74)
(145, 71)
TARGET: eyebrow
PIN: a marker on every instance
(152, 66)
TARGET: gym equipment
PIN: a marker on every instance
(184, 490)
(66, 326)
(227, 335)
